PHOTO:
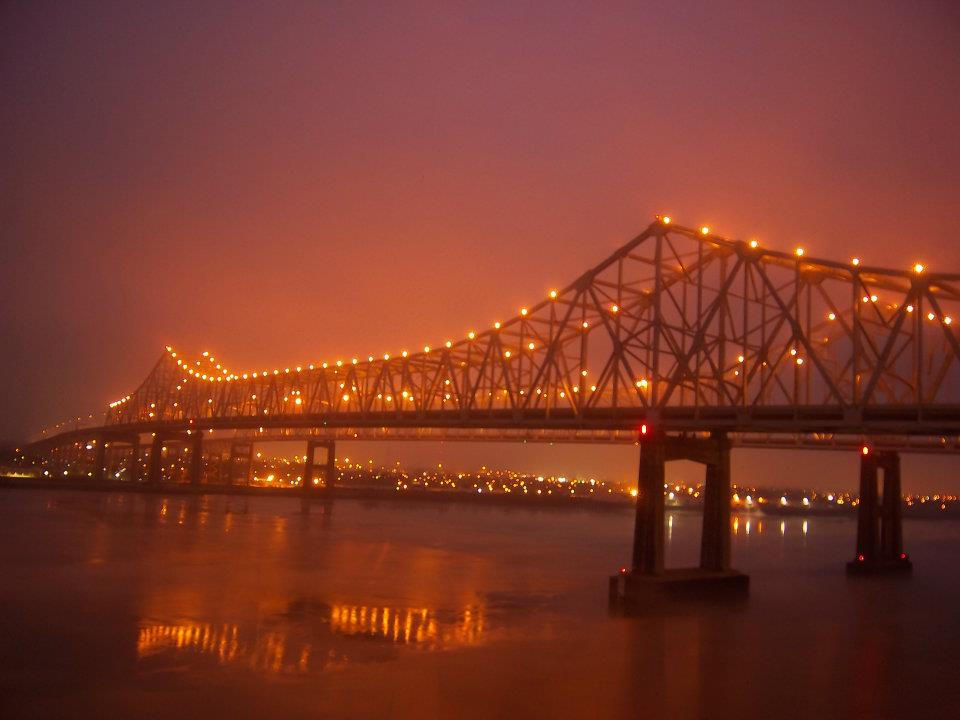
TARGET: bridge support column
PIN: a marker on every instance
(196, 457)
(648, 525)
(310, 465)
(241, 458)
(154, 467)
(100, 459)
(879, 525)
(135, 459)
(647, 581)
(715, 534)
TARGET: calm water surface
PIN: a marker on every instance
(128, 606)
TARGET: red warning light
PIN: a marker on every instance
(903, 556)
(865, 450)
(860, 558)
(643, 429)
(623, 571)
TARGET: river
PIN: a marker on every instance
(132, 606)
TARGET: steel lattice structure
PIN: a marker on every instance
(680, 327)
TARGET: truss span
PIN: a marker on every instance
(680, 327)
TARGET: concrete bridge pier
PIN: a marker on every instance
(154, 467)
(715, 536)
(647, 581)
(102, 442)
(311, 483)
(879, 523)
(648, 522)
(241, 458)
(100, 458)
(195, 472)
(135, 458)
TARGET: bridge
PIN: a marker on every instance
(683, 341)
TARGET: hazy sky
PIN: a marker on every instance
(291, 182)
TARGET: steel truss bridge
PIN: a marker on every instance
(679, 333)
(679, 328)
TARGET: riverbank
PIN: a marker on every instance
(343, 493)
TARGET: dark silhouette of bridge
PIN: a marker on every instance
(682, 341)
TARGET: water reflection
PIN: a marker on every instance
(313, 637)
(422, 626)
(118, 610)
(271, 652)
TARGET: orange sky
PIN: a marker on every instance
(285, 185)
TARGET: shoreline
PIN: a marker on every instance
(339, 493)
(427, 496)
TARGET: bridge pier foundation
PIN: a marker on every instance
(154, 467)
(648, 523)
(135, 458)
(879, 524)
(311, 483)
(715, 535)
(196, 457)
(100, 459)
(103, 464)
(241, 459)
(647, 581)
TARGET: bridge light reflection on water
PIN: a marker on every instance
(321, 637)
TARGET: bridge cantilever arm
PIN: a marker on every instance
(697, 344)
(887, 349)
(951, 338)
(803, 339)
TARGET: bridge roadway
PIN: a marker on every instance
(922, 429)
(948, 444)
